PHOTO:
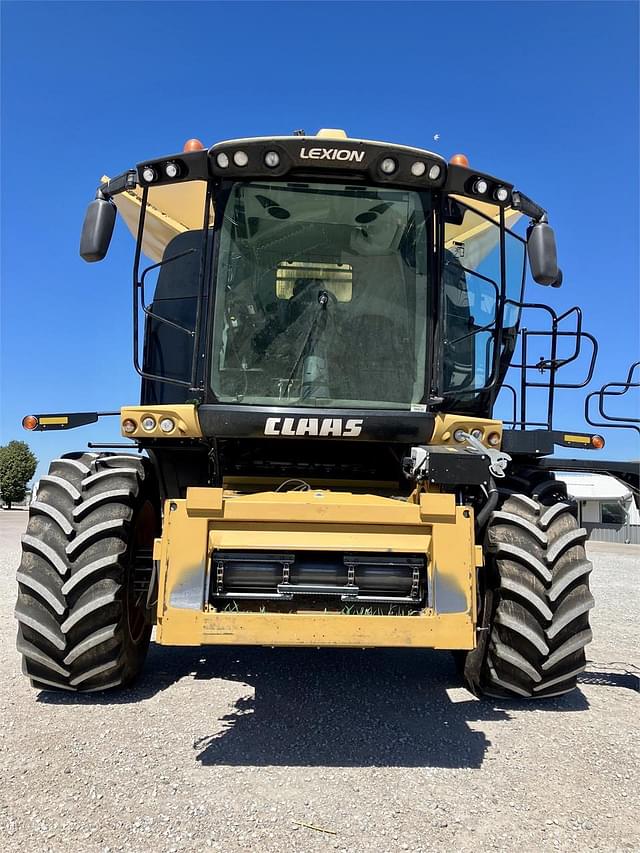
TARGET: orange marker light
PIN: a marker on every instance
(597, 441)
(30, 422)
(459, 160)
(193, 145)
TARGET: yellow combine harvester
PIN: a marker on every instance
(327, 323)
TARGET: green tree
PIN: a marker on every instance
(17, 467)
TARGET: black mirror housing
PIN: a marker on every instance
(97, 230)
(543, 255)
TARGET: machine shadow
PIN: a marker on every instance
(354, 708)
(331, 707)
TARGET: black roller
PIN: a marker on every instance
(373, 574)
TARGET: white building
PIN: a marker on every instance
(606, 507)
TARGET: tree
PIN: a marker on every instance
(17, 467)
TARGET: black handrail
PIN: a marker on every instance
(611, 421)
(551, 365)
(139, 302)
(148, 312)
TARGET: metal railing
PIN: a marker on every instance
(550, 366)
(613, 389)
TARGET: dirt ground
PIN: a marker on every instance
(243, 749)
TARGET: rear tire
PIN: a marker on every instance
(83, 616)
(541, 600)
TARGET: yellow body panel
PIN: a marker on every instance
(185, 416)
(446, 425)
(447, 631)
(210, 519)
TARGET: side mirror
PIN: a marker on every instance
(543, 255)
(97, 230)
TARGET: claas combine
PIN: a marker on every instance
(322, 326)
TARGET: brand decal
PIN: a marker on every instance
(343, 154)
(321, 427)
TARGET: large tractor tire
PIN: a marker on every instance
(538, 595)
(83, 608)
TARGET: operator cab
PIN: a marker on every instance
(324, 273)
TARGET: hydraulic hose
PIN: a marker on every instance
(490, 505)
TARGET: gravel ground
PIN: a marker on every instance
(273, 749)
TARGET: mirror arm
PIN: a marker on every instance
(126, 181)
(519, 201)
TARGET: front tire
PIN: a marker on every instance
(541, 598)
(83, 614)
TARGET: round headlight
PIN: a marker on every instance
(476, 433)
(148, 423)
(222, 160)
(148, 174)
(388, 166)
(502, 194)
(129, 426)
(241, 158)
(459, 435)
(418, 169)
(481, 186)
(494, 439)
(167, 424)
(435, 172)
(172, 170)
(272, 159)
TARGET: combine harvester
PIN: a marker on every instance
(327, 323)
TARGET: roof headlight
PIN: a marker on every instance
(501, 194)
(172, 169)
(435, 171)
(480, 187)
(272, 159)
(241, 158)
(149, 174)
(222, 160)
(388, 166)
(418, 169)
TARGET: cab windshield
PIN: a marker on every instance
(321, 296)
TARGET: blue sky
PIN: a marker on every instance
(541, 94)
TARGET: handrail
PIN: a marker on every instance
(552, 364)
(611, 421)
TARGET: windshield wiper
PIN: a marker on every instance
(323, 301)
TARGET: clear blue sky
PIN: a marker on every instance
(542, 94)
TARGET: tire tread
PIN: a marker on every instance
(72, 603)
(540, 624)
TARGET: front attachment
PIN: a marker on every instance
(316, 568)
